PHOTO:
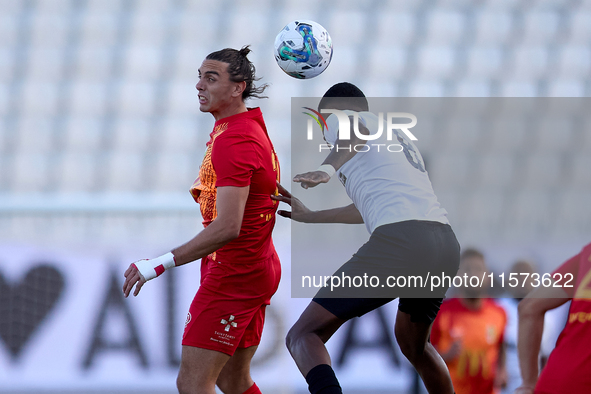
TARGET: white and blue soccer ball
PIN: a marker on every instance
(303, 49)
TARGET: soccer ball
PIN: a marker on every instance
(303, 49)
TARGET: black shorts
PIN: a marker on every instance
(406, 249)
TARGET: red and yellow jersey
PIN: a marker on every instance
(240, 153)
(480, 333)
(569, 366)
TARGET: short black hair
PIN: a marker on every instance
(348, 90)
(240, 69)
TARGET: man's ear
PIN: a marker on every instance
(238, 89)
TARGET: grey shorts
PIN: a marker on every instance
(408, 249)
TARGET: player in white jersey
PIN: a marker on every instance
(410, 235)
(386, 187)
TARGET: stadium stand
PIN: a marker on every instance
(98, 96)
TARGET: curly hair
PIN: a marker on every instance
(240, 69)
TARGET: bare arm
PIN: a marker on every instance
(341, 153)
(347, 215)
(300, 213)
(230, 203)
(531, 325)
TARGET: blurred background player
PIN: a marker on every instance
(240, 270)
(568, 366)
(410, 235)
(468, 332)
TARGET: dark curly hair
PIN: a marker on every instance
(240, 69)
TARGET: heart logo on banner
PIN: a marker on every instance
(24, 305)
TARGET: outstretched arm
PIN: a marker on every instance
(230, 203)
(531, 325)
(301, 213)
(341, 153)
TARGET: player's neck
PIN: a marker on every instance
(472, 303)
(232, 109)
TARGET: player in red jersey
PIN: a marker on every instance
(569, 365)
(240, 270)
(468, 332)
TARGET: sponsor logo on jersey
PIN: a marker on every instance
(474, 363)
(345, 124)
(579, 317)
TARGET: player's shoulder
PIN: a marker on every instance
(578, 264)
(239, 131)
(245, 128)
(586, 252)
(584, 255)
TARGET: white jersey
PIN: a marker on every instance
(386, 186)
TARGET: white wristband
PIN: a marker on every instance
(328, 168)
(155, 267)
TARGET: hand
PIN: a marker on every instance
(299, 213)
(311, 179)
(453, 352)
(133, 276)
(524, 390)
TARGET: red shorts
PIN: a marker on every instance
(228, 311)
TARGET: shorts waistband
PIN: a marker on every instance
(414, 223)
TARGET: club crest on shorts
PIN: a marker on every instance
(229, 323)
(188, 320)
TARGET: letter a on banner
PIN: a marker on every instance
(383, 341)
(114, 301)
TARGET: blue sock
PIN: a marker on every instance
(322, 380)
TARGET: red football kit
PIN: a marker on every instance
(237, 280)
(569, 366)
(481, 334)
